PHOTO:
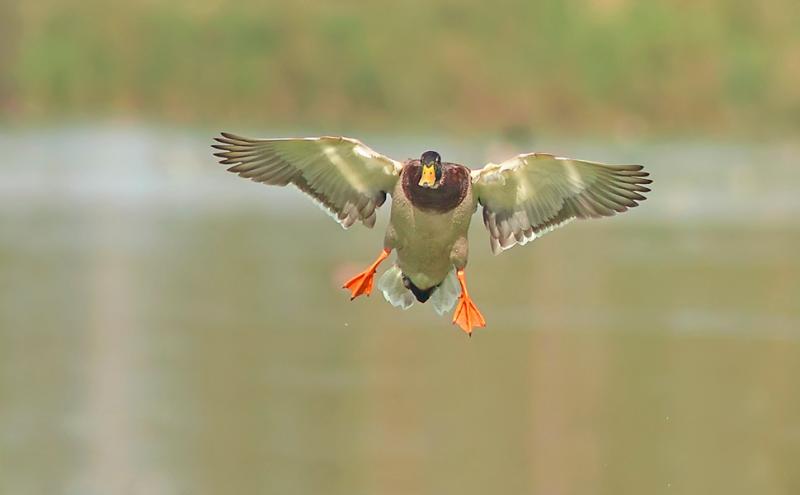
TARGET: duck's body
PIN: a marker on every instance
(433, 203)
(428, 228)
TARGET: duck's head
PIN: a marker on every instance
(431, 169)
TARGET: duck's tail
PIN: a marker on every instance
(391, 284)
(400, 292)
(446, 294)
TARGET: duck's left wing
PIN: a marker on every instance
(531, 194)
(345, 177)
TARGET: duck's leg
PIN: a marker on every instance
(362, 283)
(466, 314)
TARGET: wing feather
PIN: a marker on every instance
(342, 175)
(531, 194)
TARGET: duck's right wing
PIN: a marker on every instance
(345, 177)
(529, 195)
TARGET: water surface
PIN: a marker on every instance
(168, 328)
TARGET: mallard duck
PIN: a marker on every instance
(432, 205)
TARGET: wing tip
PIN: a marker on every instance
(228, 143)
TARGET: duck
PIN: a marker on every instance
(432, 206)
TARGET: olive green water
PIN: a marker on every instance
(187, 346)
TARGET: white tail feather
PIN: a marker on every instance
(391, 284)
(445, 296)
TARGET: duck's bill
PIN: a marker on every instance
(428, 178)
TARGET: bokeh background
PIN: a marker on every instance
(166, 327)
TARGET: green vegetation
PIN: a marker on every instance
(658, 66)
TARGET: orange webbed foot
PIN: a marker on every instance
(361, 284)
(466, 314)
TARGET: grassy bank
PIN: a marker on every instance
(595, 66)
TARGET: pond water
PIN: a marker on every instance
(166, 327)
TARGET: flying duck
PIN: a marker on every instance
(432, 205)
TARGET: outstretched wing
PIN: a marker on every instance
(345, 177)
(529, 195)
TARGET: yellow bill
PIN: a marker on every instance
(428, 178)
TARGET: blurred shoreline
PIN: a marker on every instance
(141, 166)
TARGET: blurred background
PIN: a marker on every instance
(166, 327)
